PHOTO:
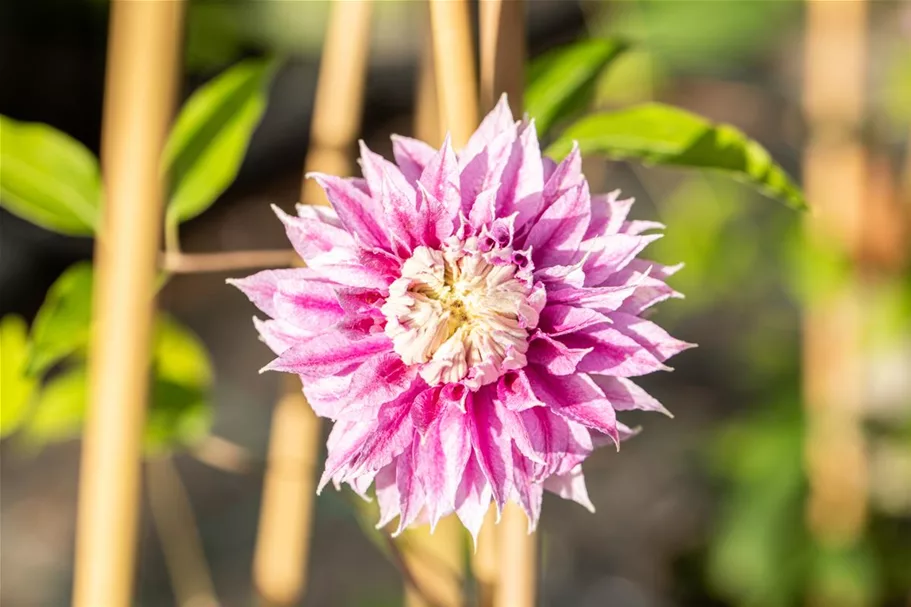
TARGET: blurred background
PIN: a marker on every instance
(709, 508)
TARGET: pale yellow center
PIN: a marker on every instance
(457, 313)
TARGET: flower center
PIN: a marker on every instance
(462, 313)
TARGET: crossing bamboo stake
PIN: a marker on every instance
(142, 65)
(282, 546)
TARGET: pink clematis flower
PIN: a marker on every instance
(469, 322)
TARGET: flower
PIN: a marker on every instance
(468, 321)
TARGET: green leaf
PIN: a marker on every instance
(60, 409)
(48, 178)
(181, 412)
(661, 134)
(561, 82)
(61, 327)
(17, 387)
(207, 145)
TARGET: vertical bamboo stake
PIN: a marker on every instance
(339, 94)
(502, 29)
(282, 547)
(143, 60)
(835, 181)
(453, 57)
(435, 562)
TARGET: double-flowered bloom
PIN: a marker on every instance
(468, 321)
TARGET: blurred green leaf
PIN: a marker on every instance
(703, 37)
(759, 553)
(48, 178)
(17, 387)
(60, 409)
(817, 268)
(209, 140)
(61, 327)
(181, 412)
(562, 81)
(660, 134)
(845, 576)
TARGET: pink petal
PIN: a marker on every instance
(377, 381)
(483, 210)
(565, 176)
(571, 486)
(553, 355)
(652, 337)
(411, 498)
(360, 213)
(441, 179)
(260, 287)
(328, 353)
(309, 304)
(610, 254)
(472, 498)
(522, 179)
(559, 442)
(624, 395)
(515, 428)
(387, 495)
(279, 335)
(514, 391)
(556, 236)
(394, 433)
(484, 170)
(638, 227)
(312, 237)
(425, 408)
(613, 353)
(345, 442)
(601, 299)
(529, 492)
(412, 155)
(440, 459)
(561, 319)
(608, 214)
(437, 221)
(498, 120)
(577, 398)
(491, 445)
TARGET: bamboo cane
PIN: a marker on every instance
(143, 60)
(502, 34)
(282, 547)
(835, 182)
(181, 544)
(453, 58)
(434, 562)
(502, 29)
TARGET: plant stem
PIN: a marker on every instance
(143, 59)
(226, 261)
(178, 532)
